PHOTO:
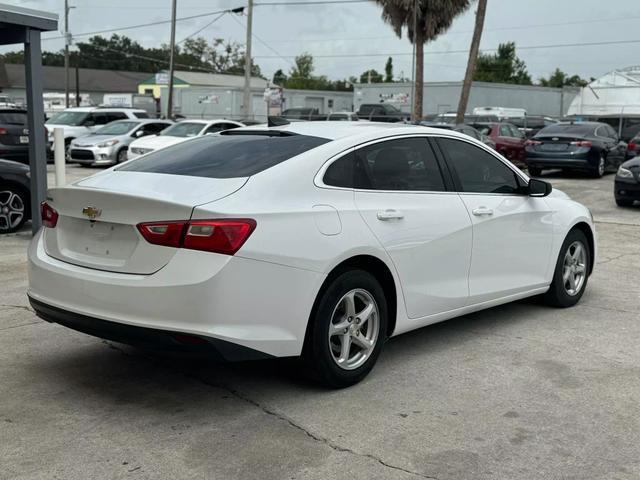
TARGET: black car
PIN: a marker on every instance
(531, 125)
(381, 112)
(591, 146)
(15, 194)
(14, 135)
(633, 148)
(626, 188)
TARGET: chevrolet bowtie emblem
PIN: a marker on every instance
(91, 212)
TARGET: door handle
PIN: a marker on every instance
(389, 214)
(482, 211)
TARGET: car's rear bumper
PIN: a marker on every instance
(574, 163)
(254, 304)
(164, 340)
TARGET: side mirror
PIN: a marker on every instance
(89, 123)
(539, 188)
(139, 133)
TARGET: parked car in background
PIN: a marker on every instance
(509, 141)
(109, 145)
(501, 112)
(304, 113)
(462, 128)
(234, 229)
(81, 121)
(179, 132)
(15, 188)
(7, 102)
(381, 112)
(14, 135)
(626, 189)
(627, 126)
(450, 117)
(342, 117)
(590, 146)
(530, 125)
(633, 147)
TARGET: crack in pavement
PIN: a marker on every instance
(611, 259)
(273, 413)
(22, 307)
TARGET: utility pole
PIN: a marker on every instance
(413, 64)
(171, 59)
(67, 39)
(246, 99)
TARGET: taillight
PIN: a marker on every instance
(3, 131)
(224, 235)
(167, 234)
(48, 215)
(581, 143)
(532, 142)
(632, 147)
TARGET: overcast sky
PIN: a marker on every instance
(354, 30)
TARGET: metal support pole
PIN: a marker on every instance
(58, 156)
(246, 98)
(413, 64)
(35, 120)
(66, 53)
(172, 47)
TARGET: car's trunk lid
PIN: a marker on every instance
(97, 220)
(558, 143)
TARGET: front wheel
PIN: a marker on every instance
(122, 156)
(571, 273)
(346, 330)
(13, 209)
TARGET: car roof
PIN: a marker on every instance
(101, 109)
(339, 130)
(206, 122)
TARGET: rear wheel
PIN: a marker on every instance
(571, 273)
(347, 330)
(13, 209)
(534, 171)
(122, 156)
(598, 172)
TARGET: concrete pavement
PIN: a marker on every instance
(520, 391)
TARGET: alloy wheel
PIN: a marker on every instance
(354, 329)
(601, 166)
(574, 269)
(11, 210)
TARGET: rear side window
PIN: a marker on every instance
(224, 156)
(141, 114)
(407, 164)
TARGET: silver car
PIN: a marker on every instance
(108, 145)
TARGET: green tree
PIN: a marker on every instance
(559, 79)
(502, 67)
(388, 70)
(279, 78)
(371, 76)
(423, 24)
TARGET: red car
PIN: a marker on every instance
(508, 139)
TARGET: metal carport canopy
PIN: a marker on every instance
(24, 25)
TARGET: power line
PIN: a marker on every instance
(201, 29)
(530, 47)
(315, 2)
(262, 42)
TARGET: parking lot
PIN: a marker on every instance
(521, 391)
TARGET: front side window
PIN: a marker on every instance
(98, 118)
(68, 118)
(479, 171)
(505, 131)
(113, 116)
(184, 129)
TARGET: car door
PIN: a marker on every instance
(512, 232)
(402, 196)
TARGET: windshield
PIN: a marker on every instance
(184, 129)
(224, 156)
(68, 118)
(567, 128)
(117, 128)
(390, 108)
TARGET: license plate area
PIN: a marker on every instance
(24, 139)
(554, 147)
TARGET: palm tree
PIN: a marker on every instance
(471, 64)
(424, 21)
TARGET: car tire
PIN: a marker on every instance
(598, 172)
(571, 273)
(534, 171)
(122, 156)
(624, 202)
(14, 208)
(334, 353)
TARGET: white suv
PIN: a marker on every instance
(81, 121)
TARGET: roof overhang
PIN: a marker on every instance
(14, 22)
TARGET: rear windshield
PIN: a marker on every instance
(224, 156)
(567, 128)
(13, 118)
(141, 114)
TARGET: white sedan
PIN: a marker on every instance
(179, 132)
(314, 239)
